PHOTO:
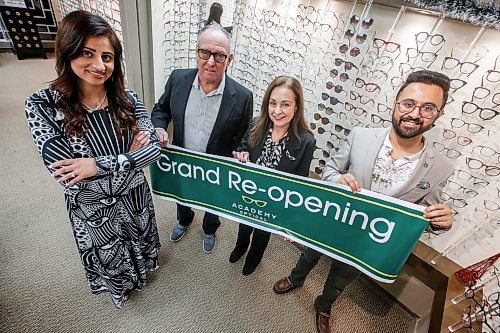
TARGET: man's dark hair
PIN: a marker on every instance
(428, 77)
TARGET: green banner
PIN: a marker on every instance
(372, 232)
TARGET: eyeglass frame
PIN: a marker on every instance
(214, 54)
(436, 111)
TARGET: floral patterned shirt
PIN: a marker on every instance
(390, 175)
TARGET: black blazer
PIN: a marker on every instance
(297, 156)
(235, 112)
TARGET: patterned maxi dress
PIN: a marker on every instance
(112, 214)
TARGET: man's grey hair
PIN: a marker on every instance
(215, 26)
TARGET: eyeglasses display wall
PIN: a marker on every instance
(107, 9)
(351, 61)
(23, 32)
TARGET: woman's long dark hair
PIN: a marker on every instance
(74, 30)
(264, 122)
(215, 13)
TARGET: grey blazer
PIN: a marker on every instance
(359, 152)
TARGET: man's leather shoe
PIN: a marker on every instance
(283, 285)
(322, 322)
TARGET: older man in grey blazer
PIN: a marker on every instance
(397, 162)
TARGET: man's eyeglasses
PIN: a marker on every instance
(484, 113)
(205, 55)
(428, 110)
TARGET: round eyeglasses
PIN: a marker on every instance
(427, 110)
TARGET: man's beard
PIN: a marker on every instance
(409, 133)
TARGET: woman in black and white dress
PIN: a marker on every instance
(280, 139)
(95, 137)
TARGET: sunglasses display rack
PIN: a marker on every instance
(23, 32)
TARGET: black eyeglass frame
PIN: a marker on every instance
(218, 57)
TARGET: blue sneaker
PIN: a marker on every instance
(177, 233)
(208, 243)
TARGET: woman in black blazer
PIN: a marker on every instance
(280, 139)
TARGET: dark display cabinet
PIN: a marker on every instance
(23, 32)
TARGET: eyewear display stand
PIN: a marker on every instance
(23, 32)
(427, 290)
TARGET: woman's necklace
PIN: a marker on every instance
(97, 106)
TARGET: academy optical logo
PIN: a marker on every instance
(252, 208)
(259, 203)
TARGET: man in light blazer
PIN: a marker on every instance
(210, 113)
(398, 162)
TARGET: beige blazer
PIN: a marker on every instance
(358, 154)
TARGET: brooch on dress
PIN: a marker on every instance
(290, 157)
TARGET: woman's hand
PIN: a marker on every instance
(74, 169)
(242, 156)
(440, 215)
(141, 140)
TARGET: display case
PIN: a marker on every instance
(23, 32)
